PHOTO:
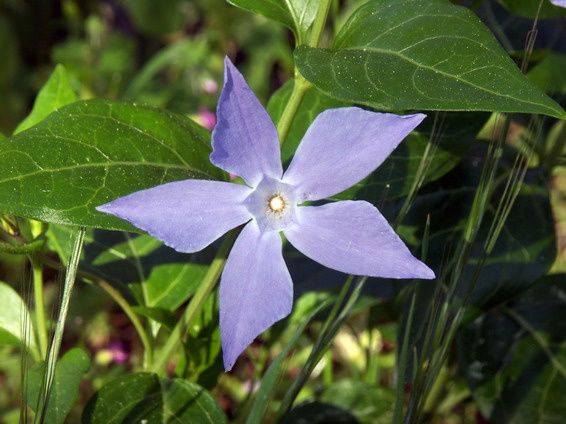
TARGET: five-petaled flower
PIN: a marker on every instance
(341, 147)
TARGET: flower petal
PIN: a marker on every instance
(255, 290)
(186, 215)
(244, 141)
(561, 3)
(343, 146)
(353, 237)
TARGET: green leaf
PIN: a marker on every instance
(89, 153)
(298, 15)
(514, 357)
(186, 402)
(529, 8)
(65, 390)
(132, 398)
(142, 397)
(16, 327)
(421, 54)
(370, 404)
(56, 93)
(549, 74)
(162, 316)
(158, 276)
(271, 378)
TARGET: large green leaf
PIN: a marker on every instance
(65, 390)
(56, 93)
(158, 276)
(421, 54)
(143, 397)
(89, 153)
(514, 357)
(298, 15)
(16, 327)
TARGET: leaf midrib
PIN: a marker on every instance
(103, 165)
(433, 69)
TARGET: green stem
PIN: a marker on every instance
(123, 303)
(40, 319)
(319, 22)
(300, 87)
(195, 305)
(60, 326)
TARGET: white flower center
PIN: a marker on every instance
(277, 203)
(272, 204)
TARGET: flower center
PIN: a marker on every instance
(276, 203)
(272, 204)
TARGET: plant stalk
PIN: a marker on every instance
(60, 326)
(40, 317)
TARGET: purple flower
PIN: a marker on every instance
(561, 3)
(341, 147)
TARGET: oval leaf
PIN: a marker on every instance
(65, 390)
(56, 93)
(89, 153)
(142, 397)
(297, 15)
(12, 313)
(421, 54)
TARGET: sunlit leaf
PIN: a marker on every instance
(16, 327)
(421, 54)
(56, 93)
(89, 153)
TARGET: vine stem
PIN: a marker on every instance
(40, 317)
(60, 326)
(301, 85)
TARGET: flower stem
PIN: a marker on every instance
(40, 320)
(60, 326)
(195, 305)
(319, 22)
(300, 87)
(123, 303)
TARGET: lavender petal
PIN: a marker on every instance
(343, 146)
(353, 237)
(186, 215)
(244, 141)
(255, 290)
